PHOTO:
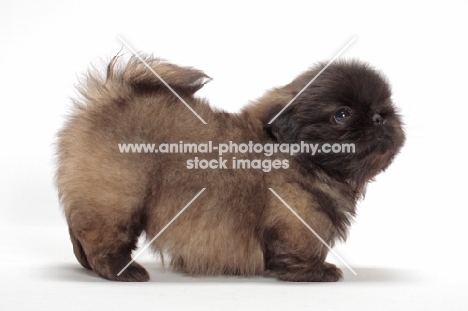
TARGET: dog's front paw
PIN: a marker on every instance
(134, 273)
(331, 273)
(325, 272)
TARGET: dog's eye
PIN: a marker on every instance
(342, 114)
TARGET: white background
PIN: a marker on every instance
(408, 242)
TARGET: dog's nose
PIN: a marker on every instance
(377, 118)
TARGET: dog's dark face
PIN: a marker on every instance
(348, 103)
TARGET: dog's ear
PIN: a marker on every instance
(284, 128)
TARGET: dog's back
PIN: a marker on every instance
(110, 197)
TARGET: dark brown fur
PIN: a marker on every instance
(237, 226)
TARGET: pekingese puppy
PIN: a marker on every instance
(237, 226)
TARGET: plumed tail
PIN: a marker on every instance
(141, 75)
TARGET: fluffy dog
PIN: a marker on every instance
(236, 226)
